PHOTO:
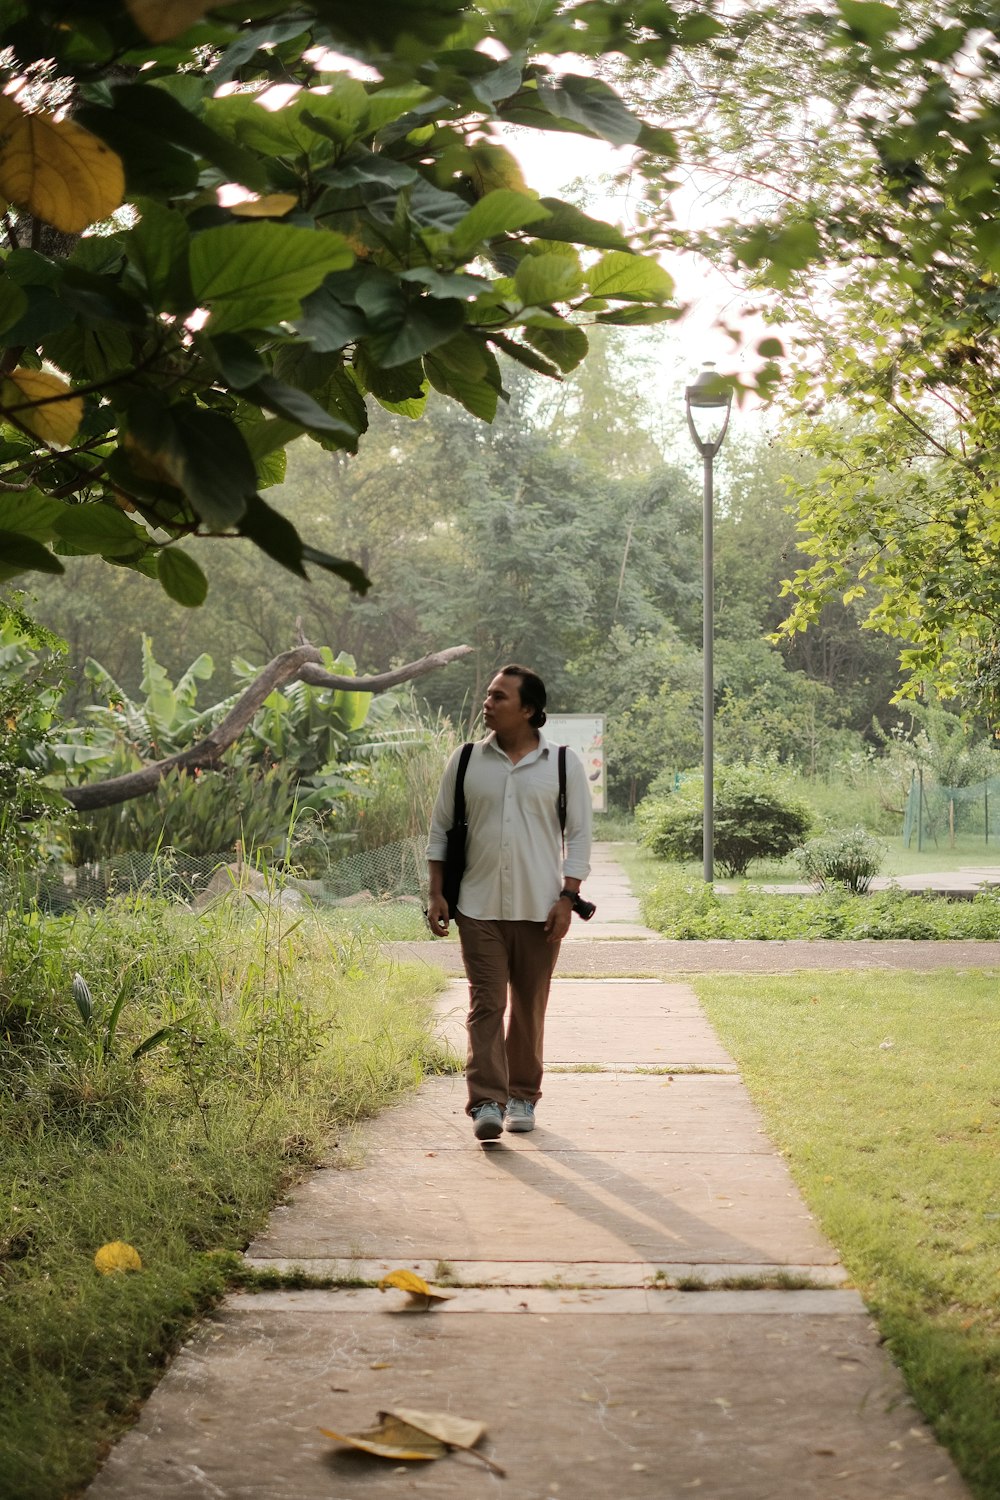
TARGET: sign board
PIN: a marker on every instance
(583, 733)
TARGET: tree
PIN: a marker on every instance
(193, 277)
(756, 817)
(858, 149)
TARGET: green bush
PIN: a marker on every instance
(756, 817)
(849, 858)
(681, 906)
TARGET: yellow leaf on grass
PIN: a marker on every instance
(57, 170)
(419, 1289)
(416, 1435)
(270, 206)
(117, 1256)
(162, 19)
(42, 404)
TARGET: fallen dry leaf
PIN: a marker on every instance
(412, 1435)
(419, 1290)
(117, 1256)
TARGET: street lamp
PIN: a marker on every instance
(708, 403)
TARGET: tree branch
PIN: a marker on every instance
(302, 664)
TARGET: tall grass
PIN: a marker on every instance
(242, 1040)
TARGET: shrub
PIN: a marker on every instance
(849, 858)
(681, 906)
(756, 817)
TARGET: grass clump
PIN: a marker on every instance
(213, 1059)
(680, 905)
(885, 1103)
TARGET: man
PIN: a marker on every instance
(516, 899)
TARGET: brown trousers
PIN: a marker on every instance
(505, 960)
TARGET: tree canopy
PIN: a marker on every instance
(228, 226)
(855, 148)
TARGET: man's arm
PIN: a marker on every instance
(576, 865)
(437, 844)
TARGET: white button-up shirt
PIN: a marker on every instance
(514, 865)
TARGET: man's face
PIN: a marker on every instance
(503, 711)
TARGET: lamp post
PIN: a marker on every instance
(708, 402)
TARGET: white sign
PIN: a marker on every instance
(583, 733)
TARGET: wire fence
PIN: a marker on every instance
(941, 815)
(393, 872)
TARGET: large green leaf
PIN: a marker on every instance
(565, 346)
(31, 513)
(13, 303)
(274, 534)
(329, 383)
(158, 250)
(148, 107)
(636, 278)
(181, 577)
(590, 105)
(341, 566)
(298, 406)
(99, 529)
(426, 323)
(499, 212)
(253, 275)
(541, 279)
(202, 451)
(568, 223)
(468, 372)
(21, 554)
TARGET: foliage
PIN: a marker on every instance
(860, 145)
(196, 813)
(280, 1036)
(680, 906)
(881, 1099)
(850, 858)
(756, 817)
(261, 266)
(30, 680)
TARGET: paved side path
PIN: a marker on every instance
(575, 1333)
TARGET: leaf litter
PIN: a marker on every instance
(403, 1433)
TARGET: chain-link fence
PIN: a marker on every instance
(392, 873)
(939, 816)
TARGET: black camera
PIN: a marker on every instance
(584, 909)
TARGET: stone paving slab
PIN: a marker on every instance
(728, 1402)
(669, 958)
(658, 1198)
(635, 1022)
(515, 1273)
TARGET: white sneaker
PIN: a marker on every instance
(519, 1116)
(487, 1121)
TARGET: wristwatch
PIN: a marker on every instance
(569, 895)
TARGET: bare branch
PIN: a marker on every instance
(302, 664)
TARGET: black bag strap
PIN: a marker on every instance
(562, 796)
(463, 761)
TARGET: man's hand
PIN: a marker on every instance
(558, 920)
(437, 915)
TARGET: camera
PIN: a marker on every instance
(584, 909)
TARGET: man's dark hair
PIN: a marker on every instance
(531, 690)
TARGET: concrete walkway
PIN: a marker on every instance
(575, 1332)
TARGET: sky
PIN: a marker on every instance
(553, 162)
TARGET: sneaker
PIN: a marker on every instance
(519, 1116)
(487, 1121)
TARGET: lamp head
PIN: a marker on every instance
(713, 394)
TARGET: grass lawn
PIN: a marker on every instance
(281, 1033)
(883, 1093)
(643, 868)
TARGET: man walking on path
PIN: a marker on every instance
(517, 893)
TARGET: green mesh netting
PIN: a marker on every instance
(938, 815)
(393, 872)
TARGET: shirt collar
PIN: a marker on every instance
(490, 743)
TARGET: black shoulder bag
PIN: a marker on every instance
(454, 856)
